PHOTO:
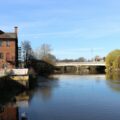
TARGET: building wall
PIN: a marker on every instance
(8, 61)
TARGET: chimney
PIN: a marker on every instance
(16, 29)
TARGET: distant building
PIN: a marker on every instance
(9, 49)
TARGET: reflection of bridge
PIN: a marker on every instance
(60, 64)
(78, 67)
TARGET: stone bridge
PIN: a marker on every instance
(63, 66)
(59, 64)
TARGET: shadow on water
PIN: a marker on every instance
(44, 87)
(11, 99)
(113, 80)
(9, 89)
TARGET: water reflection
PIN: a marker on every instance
(113, 80)
(22, 99)
(113, 76)
(46, 86)
(11, 110)
(69, 97)
(8, 113)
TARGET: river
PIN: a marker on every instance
(68, 97)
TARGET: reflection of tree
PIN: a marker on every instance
(44, 88)
(45, 93)
(113, 80)
(113, 76)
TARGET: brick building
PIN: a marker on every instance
(9, 49)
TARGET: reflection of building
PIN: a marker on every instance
(9, 113)
(22, 100)
(8, 49)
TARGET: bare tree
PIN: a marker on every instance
(45, 50)
(27, 52)
(44, 53)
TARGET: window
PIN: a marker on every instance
(0, 43)
(8, 43)
(1, 56)
(7, 56)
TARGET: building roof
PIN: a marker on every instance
(8, 35)
(1, 32)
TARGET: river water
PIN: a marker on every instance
(69, 97)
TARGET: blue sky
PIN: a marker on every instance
(73, 28)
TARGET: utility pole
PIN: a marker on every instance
(92, 54)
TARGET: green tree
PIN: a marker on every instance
(111, 59)
(81, 59)
(116, 63)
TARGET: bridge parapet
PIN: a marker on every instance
(80, 64)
